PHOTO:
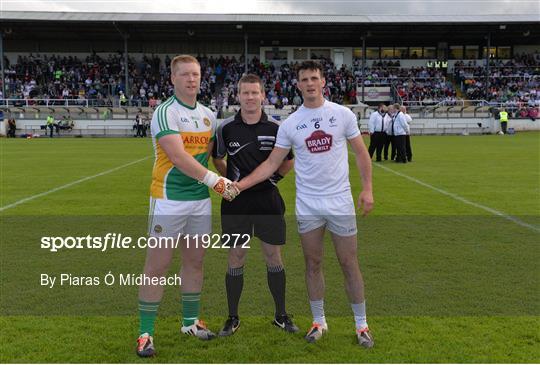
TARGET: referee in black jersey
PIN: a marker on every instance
(247, 140)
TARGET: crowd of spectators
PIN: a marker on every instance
(65, 77)
(280, 83)
(515, 82)
(422, 85)
(101, 80)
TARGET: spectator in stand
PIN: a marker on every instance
(100, 79)
(123, 99)
(152, 103)
(297, 100)
(509, 82)
(533, 113)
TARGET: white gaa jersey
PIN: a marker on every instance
(318, 137)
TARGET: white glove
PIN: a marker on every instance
(220, 185)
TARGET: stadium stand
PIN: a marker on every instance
(98, 81)
(443, 80)
(513, 83)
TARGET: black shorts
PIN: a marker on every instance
(258, 213)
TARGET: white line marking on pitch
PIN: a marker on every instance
(18, 202)
(462, 199)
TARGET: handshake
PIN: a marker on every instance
(221, 185)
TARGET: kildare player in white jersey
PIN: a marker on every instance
(318, 132)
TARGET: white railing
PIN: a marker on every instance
(429, 109)
(46, 102)
(456, 102)
(72, 103)
(396, 94)
(434, 103)
(496, 104)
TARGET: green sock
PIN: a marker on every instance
(147, 315)
(190, 308)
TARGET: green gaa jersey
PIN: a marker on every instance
(196, 126)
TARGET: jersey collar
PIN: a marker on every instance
(238, 118)
(185, 105)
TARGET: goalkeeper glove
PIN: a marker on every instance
(220, 185)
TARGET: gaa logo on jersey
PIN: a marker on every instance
(158, 228)
(206, 122)
(319, 141)
(332, 121)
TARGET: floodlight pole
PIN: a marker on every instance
(127, 65)
(246, 53)
(363, 64)
(2, 64)
(487, 63)
(125, 36)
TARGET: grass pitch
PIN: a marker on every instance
(450, 257)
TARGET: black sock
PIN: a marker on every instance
(234, 282)
(276, 283)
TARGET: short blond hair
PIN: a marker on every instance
(183, 58)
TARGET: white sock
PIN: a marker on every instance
(317, 309)
(359, 311)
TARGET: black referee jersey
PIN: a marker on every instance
(246, 147)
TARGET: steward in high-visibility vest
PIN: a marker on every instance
(503, 118)
(50, 124)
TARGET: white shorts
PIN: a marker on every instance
(168, 218)
(337, 213)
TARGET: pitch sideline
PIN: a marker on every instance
(461, 199)
(32, 197)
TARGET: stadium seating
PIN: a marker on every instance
(91, 86)
(514, 83)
